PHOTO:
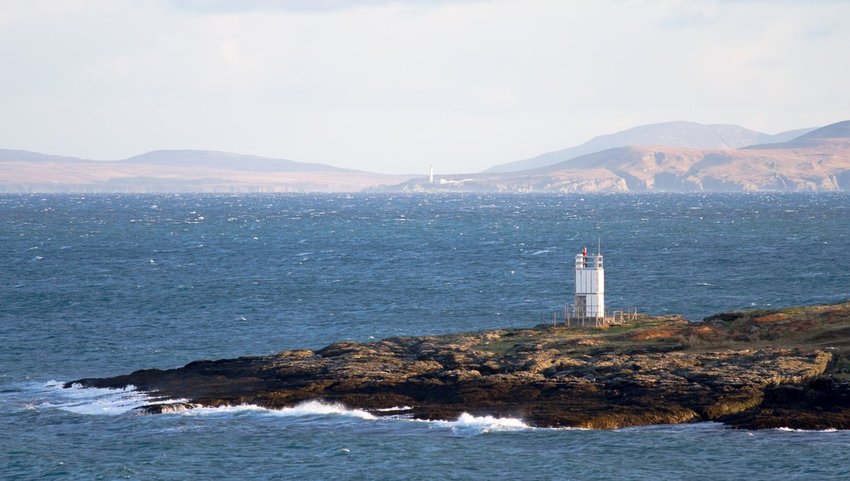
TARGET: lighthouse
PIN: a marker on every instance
(590, 287)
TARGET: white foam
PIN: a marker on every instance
(307, 408)
(792, 430)
(96, 401)
(92, 401)
(394, 408)
(310, 408)
(464, 424)
(482, 424)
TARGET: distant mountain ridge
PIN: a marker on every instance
(227, 160)
(818, 160)
(25, 155)
(670, 134)
(186, 158)
(178, 171)
(838, 130)
(831, 131)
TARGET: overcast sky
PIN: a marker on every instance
(393, 86)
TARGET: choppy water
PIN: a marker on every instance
(102, 285)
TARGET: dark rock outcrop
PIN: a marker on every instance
(750, 369)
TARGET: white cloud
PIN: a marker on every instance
(394, 86)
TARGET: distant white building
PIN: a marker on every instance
(590, 286)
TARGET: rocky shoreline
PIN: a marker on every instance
(751, 369)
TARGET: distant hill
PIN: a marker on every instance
(817, 137)
(178, 171)
(670, 134)
(226, 160)
(816, 161)
(831, 131)
(8, 155)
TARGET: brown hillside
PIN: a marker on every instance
(815, 162)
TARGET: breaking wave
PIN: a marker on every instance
(792, 430)
(91, 401)
(112, 402)
(464, 424)
(308, 408)
(467, 423)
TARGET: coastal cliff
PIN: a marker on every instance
(749, 369)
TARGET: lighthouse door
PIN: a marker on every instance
(581, 307)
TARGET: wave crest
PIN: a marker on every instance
(96, 401)
(92, 401)
(307, 408)
(482, 424)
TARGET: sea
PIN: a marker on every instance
(101, 285)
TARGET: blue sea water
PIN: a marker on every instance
(100, 285)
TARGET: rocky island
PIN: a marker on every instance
(750, 369)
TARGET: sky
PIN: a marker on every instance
(396, 86)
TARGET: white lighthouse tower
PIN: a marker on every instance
(590, 287)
